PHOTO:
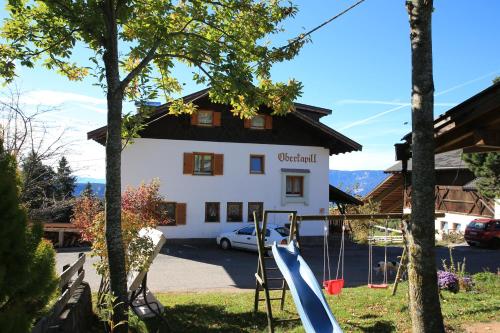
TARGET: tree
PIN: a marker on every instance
(24, 131)
(88, 191)
(496, 80)
(136, 45)
(65, 181)
(38, 183)
(27, 275)
(486, 167)
(425, 309)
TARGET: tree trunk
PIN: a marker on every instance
(114, 241)
(425, 309)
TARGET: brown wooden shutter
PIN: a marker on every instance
(194, 118)
(247, 123)
(269, 122)
(217, 118)
(188, 164)
(218, 164)
(180, 213)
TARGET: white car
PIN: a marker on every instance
(245, 238)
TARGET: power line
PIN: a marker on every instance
(302, 36)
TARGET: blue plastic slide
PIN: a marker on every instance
(309, 300)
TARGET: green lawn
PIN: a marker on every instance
(357, 310)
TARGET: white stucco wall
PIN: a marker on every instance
(450, 218)
(146, 159)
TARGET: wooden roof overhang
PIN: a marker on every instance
(338, 196)
(473, 125)
(389, 193)
(331, 139)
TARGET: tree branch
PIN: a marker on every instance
(144, 62)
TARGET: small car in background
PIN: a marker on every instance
(483, 232)
(245, 238)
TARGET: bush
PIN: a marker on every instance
(448, 281)
(140, 209)
(27, 276)
(361, 228)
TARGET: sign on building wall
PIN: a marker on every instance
(297, 158)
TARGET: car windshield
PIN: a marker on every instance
(477, 225)
(282, 231)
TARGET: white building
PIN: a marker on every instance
(216, 169)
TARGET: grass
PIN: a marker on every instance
(357, 309)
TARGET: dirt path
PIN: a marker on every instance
(483, 327)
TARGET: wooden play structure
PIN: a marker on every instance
(332, 286)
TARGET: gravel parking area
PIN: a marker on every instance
(207, 268)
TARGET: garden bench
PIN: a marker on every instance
(142, 301)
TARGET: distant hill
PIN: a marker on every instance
(363, 180)
(98, 189)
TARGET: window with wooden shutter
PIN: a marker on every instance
(218, 164)
(247, 123)
(188, 164)
(268, 122)
(180, 213)
(217, 118)
(194, 118)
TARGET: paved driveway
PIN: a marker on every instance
(207, 268)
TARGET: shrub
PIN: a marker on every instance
(27, 275)
(361, 228)
(140, 209)
(458, 269)
(448, 281)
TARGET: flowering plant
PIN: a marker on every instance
(448, 281)
(139, 210)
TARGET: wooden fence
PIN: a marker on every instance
(67, 286)
(386, 239)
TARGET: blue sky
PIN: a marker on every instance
(359, 66)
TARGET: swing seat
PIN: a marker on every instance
(333, 287)
(378, 286)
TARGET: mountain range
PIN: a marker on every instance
(358, 182)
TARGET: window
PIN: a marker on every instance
(203, 164)
(257, 164)
(294, 186)
(477, 225)
(282, 231)
(212, 212)
(172, 213)
(255, 207)
(234, 212)
(167, 213)
(258, 122)
(205, 118)
(246, 231)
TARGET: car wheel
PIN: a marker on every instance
(471, 244)
(225, 244)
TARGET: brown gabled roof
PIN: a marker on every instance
(389, 193)
(342, 143)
